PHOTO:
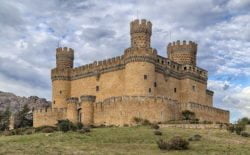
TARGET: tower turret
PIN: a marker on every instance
(72, 114)
(182, 53)
(87, 104)
(64, 57)
(140, 32)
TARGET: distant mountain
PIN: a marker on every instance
(15, 103)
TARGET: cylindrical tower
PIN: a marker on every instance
(72, 114)
(140, 32)
(87, 105)
(182, 53)
(140, 61)
(64, 58)
(60, 77)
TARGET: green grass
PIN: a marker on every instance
(125, 140)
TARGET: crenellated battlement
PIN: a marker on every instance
(64, 57)
(182, 46)
(157, 99)
(196, 106)
(49, 110)
(182, 53)
(165, 64)
(141, 26)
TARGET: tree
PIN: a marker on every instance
(188, 115)
(23, 118)
(5, 119)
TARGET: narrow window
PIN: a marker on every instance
(155, 84)
(97, 88)
(60, 92)
(185, 68)
(54, 102)
(175, 90)
(193, 88)
(145, 77)
(149, 90)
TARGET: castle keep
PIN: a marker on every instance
(139, 83)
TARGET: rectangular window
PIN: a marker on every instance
(97, 88)
(149, 90)
(175, 90)
(155, 84)
(145, 77)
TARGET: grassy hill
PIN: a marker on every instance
(124, 140)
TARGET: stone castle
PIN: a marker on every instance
(139, 83)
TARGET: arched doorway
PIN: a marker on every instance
(79, 115)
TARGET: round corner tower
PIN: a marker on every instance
(60, 77)
(87, 105)
(140, 60)
(182, 53)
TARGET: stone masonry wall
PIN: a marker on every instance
(122, 110)
(48, 116)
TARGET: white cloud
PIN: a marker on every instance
(31, 29)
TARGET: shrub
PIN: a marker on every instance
(39, 129)
(157, 132)
(137, 120)
(79, 126)
(196, 137)
(86, 129)
(48, 130)
(230, 128)
(7, 133)
(188, 115)
(239, 129)
(176, 143)
(82, 131)
(146, 122)
(29, 131)
(245, 134)
(125, 125)
(66, 125)
(155, 126)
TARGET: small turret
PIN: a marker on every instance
(184, 53)
(72, 109)
(87, 104)
(140, 32)
(64, 58)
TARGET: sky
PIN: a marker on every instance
(31, 30)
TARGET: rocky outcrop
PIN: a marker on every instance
(15, 103)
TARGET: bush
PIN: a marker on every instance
(82, 131)
(48, 130)
(41, 128)
(155, 126)
(245, 134)
(7, 133)
(146, 122)
(157, 132)
(79, 126)
(66, 125)
(239, 129)
(176, 143)
(137, 120)
(230, 128)
(86, 129)
(29, 131)
(196, 137)
(126, 125)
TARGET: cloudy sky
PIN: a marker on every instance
(30, 30)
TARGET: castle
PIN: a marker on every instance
(140, 83)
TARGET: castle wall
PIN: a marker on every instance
(203, 112)
(110, 84)
(48, 116)
(122, 110)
